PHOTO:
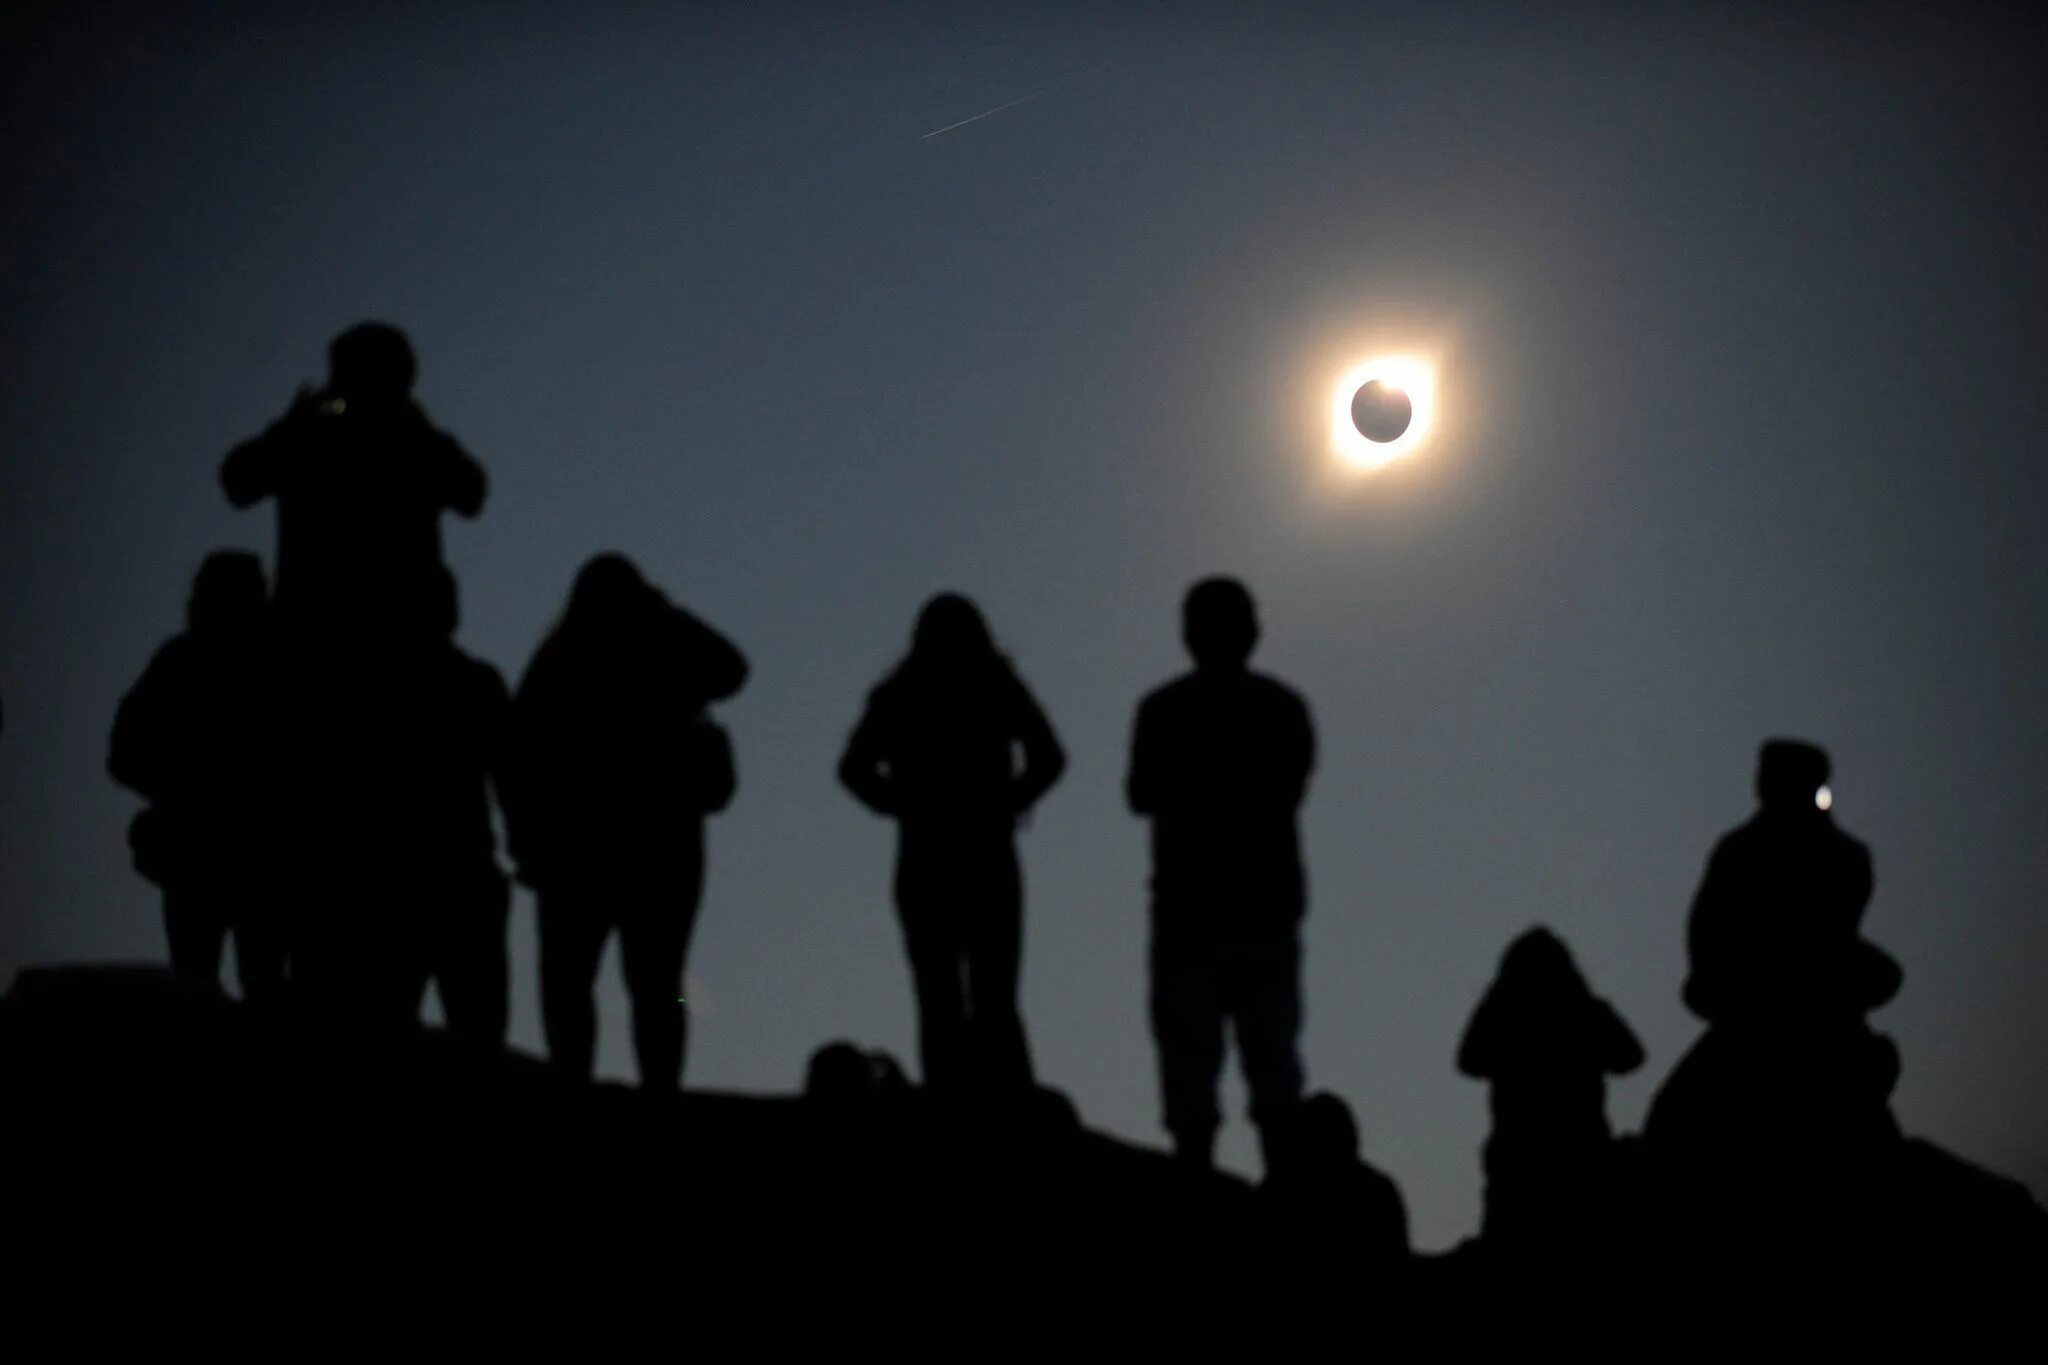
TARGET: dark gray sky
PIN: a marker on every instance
(1741, 333)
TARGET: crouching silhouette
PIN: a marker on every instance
(611, 766)
(1546, 1044)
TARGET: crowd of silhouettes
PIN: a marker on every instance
(320, 759)
(321, 763)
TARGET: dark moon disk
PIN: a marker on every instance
(1381, 412)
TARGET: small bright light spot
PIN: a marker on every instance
(1413, 378)
(1824, 798)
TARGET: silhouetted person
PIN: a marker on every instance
(1331, 1214)
(1774, 926)
(611, 766)
(1220, 761)
(194, 737)
(1545, 1044)
(842, 1076)
(1788, 1065)
(361, 478)
(955, 749)
(461, 722)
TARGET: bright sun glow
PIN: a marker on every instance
(1412, 377)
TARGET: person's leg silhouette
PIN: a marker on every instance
(1187, 1023)
(197, 932)
(931, 938)
(573, 928)
(473, 969)
(653, 938)
(1265, 1003)
(995, 948)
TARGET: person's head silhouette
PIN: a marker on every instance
(838, 1072)
(608, 591)
(228, 593)
(951, 632)
(371, 365)
(1219, 623)
(1790, 774)
(1329, 1133)
(1538, 966)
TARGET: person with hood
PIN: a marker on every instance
(1545, 1044)
(611, 765)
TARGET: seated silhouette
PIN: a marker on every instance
(1774, 926)
(193, 737)
(611, 766)
(1779, 971)
(1545, 1044)
(1329, 1213)
(361, 477)
(1220, 762)
(938, 750)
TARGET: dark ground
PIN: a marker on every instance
(188, 1171)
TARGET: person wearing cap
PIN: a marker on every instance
(1774, 925)
(1789, 1075)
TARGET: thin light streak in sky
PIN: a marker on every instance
(985, 114)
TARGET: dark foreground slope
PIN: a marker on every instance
(171, 1147)
(183, 1170)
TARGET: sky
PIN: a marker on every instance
(1738, 321)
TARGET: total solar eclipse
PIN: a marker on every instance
(1380, 411)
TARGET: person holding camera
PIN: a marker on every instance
(361, 478)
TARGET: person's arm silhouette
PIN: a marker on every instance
(1620, 1050)
(1479, 1050)
(1144, 784)
(1706, 934)
(458, 480)
(1298, 756)
(144, 726)
(711, 764)
(1044, 759)
(256, 469)
(864, 767)
(714, 665)
(528, 775)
